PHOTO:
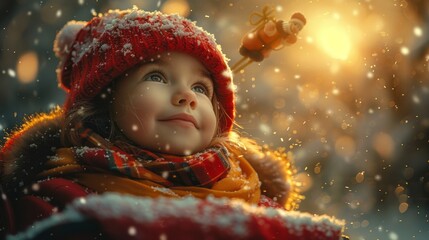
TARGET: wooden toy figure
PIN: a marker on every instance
(270, 35)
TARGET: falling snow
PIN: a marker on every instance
(132, 231)
(11, 73)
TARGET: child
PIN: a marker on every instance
(149, 113)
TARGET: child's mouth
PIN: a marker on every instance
(181, 119)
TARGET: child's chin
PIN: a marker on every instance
(181, 147)
(173, 147)
(183, 151)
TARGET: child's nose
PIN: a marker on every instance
(184, 96)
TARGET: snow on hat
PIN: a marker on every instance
(298, 18)
(92, 54)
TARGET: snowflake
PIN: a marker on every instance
(132, 231)
(11, 73)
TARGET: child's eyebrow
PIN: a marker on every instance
(203, 72)
(200, 70)
(157, 62)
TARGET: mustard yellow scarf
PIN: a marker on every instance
(241, 182)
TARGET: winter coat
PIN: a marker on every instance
(60, 202)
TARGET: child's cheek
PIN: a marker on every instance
(147, 99)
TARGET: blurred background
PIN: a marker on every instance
(349, 100)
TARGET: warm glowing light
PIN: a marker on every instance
(279, 103)
(334, 41)
(281, 120)
(405, 51)
(304, 180)
(418, 31)
(317, 168)
(383, 144)
(334, 68)
(360, 177)
(335, 34)
(345, 146)
(27, 67)
(403, 207)
(309, 94)
(180, 7)
(336, 16)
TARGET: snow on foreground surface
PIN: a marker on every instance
(128, 217)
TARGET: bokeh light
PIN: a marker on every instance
(27, 67)
(345, 146)
(384, 145)
(305, 181)
(180, 7)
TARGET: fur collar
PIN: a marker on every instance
(27, 149)
(276, 172)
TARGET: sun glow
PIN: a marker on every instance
(335, 42)
(334, 34)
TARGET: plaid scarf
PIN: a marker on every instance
(201, 169)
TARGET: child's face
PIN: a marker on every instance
(166, 105)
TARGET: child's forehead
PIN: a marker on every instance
(177, 60)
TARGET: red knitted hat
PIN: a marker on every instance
(92, 54)
(299, 17)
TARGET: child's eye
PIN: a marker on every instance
(201, 88)
(155, 77)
